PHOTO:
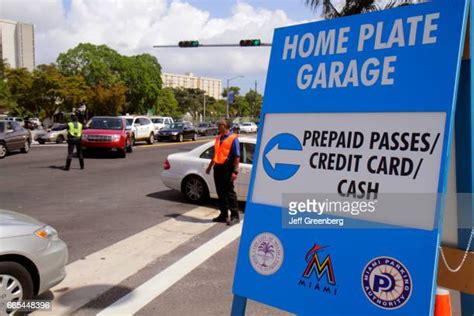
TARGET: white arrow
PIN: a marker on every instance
(284, 156)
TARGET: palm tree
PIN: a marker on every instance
(351, 7)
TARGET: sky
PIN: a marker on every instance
(132, 27)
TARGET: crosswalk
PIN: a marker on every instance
(90, 277)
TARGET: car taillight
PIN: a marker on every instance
(166, 165)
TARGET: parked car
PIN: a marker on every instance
(206, 129)
(186, 171)
(108, 133)
(18, 120)
(57, 134)
(32, 258)
(13, 137)
(178, 132)
(142, 128)
(160, 122)
(248, 127)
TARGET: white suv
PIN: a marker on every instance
(161, 121)
(142, 128)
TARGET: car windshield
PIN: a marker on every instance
(246, 124)
(203, 125)
(176, 125)
(106, 123)
(157, 120)
(59, 127)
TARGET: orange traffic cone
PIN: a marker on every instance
(442, 303)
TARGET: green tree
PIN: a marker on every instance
(216, 109)
(107, 100)
(235, 89)
(6, 101)
(19, 84)
(190, 100)
(352, 7)
(99, 65)
(255, 101)
(74, 92)
(142, 76)
(47, 89)
(167, 105)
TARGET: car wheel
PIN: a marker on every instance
(180, 138)
(26, 147)
(41, 142)
(3, 151)
(16, 283)
(195, 137)
(60, 139)
(151, 139)
(195, 189)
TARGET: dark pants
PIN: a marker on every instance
(71, 143)
(225, 190)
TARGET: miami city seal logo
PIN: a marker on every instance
(266, 254)
(387, 283)
(319, 272)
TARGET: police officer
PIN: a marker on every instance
(74, 140)
(226, 168)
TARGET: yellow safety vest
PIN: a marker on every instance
(76, 132)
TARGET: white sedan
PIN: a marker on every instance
(248, 127)
(186, 172)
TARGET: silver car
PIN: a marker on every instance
(57, 134)
(32, 258)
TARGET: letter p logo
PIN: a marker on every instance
(384, 282)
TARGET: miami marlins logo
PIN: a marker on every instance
(321, 268)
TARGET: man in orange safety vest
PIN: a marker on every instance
(226, 168)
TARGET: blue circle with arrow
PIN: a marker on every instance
(278, 154)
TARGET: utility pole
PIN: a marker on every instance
(204, 107)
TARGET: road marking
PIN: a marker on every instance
(148, 291)
(92, 276)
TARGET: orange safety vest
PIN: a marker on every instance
(222, 150)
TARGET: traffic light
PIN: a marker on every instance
(250, 42)
(184, 44)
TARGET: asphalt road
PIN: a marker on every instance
(114, 199)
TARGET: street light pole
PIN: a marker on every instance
(228, 81)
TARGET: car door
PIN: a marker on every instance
(139, 129)
(247, 151)
(188, 131)
(204, 160)
(13, 136)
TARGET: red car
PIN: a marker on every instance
(109, 133)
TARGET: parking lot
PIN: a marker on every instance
(111, 209)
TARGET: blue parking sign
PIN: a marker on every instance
(346, 195)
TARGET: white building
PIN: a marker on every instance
(212, 87)
(17, 44)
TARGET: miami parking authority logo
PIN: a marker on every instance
(387, 283)
(266, 253)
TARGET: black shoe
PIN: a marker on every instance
(220, 219)
(233, 221)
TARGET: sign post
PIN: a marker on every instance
(346, 195)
